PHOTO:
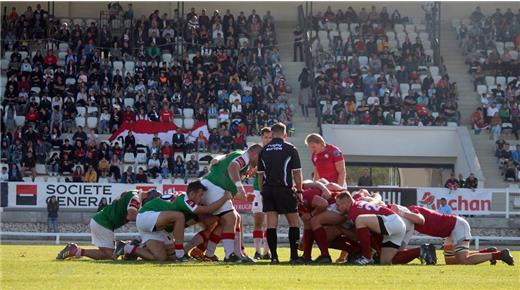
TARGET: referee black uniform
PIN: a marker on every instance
(276, 164)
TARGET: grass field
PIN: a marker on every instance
(35, 267)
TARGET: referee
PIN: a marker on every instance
(278, 165)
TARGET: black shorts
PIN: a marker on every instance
(279, 199)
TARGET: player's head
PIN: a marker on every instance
(254, 151)
(279, 131)
(343, 201)
(146, 196)
(315, 142)
(196, 191)
(266, 135)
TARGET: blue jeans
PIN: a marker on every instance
(165, 172)
(52, 224)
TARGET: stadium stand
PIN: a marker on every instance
(376, 68)
(67, 84)
(491, 44)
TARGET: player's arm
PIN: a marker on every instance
(316, 174)
(319, 205)
(296, 170)
(207, 209)
(325, 192)
(131, 210)
(234, 175)
(342, 175)
(415, 218)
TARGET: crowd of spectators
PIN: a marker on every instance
(376, 68)
(456, 182)
(223, 68)
(491, 45)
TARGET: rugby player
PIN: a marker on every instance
(103, 224)
(367, 218)
(226, 175)
(329, 164)
(457, 234)
(169, 213)
(259, 236)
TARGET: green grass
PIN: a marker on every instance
(35, 267)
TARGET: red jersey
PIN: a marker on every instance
(435, 224)
(166, 115)
(308, 195)
(362, 207)
(325, 162)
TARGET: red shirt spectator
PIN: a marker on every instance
(166, 115)
(32, 115)
(167, 150)
(50, 59)
(128, 116)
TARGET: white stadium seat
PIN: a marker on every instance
(92, 122)
(178, 122)
(129, 158)
(80, 121)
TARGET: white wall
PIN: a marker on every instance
(416, 143)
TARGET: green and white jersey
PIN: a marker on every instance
(170, 202)
(218, 173)
(113, 216)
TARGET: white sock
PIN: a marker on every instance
(229, 245)
(210, 251)
(179, 253)
(258, 244)
(266, 246)
(238, 244)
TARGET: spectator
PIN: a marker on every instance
(471, 181)
(128, 176)
(462, 181)
(90, 175)
(115, 169)
(154, 166)
(165, 167)
(515, 155)
(29, 163)
(4, 175)
(53, 207)
(202, 142)
(53, 164)
(14, 173)
(179, 167)
(192, 166)
(509, 171)
(203, 172)
(365, 179)
(452, 183)
(141, 176)
(103, 166)
(66, 166)
(444, 208)
(102, 204)
(77, 175)
(298, 44)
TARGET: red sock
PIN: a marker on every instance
(345, 244)
(496, 255)
(258, 235)
(203, 246)
(214, 238)
(320, 236)
(364, 241)
(483, 251)
(376, 240)
(406, 256)
(308, 239)
(81, 251)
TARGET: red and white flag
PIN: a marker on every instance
(144, 131)
(200, 126)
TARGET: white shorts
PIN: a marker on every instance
(410, 228)
(213, 194)
(461, 232)
(395, 229)
(101, 236)
(145, 223)
(258, 205)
